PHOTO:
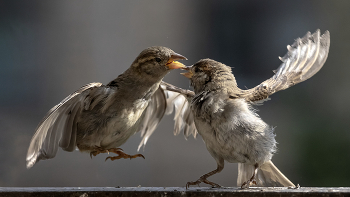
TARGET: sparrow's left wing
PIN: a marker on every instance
(304, 59)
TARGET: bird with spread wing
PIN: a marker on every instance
(223, 114)
(99, 118)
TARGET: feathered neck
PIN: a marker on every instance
(214, 80)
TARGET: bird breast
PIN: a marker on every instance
(113, 127)
(233, 131)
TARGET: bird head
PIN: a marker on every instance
(157, 61)
(208, 74)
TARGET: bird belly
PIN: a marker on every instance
(238, 137)
(109, 131)
(221, 145)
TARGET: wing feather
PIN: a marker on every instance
(304, 59)
(180, 99)
(58, 127)
(152, 115)
(163, 102)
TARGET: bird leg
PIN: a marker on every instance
(203, 179)
(121, 154)
(252, 180)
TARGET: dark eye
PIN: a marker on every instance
(158, 59)
(196, 69)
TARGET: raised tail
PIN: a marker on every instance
(268, 175)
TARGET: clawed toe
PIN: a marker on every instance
(202, 180)
(97, 150)
(247, 184)
(123, 155)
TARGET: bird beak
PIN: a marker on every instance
(172, 64)
(189, 74)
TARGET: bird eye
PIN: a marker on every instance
(158, 59)
(196, 69)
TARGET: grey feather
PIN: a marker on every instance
(180, 100)
(268, 175)
(56, 127)
(152, 115)
(305, 57)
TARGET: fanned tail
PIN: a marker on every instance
(268, 175)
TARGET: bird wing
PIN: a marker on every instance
(181, 100)
(58, 128)
(162, 102)
(304, 59)
(152, 115)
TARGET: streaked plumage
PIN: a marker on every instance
(224, 117)
(99, 118)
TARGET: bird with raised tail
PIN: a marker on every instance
(224, 116)
(99, 118)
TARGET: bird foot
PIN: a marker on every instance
(121, 154)
(248, 183)
(202, 180)
(97, 150)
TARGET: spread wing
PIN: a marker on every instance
(162, 102)
(59, 126)
(181, 100)
(152, 115)
(304, 59)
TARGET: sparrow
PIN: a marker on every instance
(224, 116)
(99, 118)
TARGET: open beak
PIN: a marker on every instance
(172, 64)
(189, 74)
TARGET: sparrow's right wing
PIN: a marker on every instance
(162, 102)
(58, 128)
(152, 115)
(304, 59)
(181, 100)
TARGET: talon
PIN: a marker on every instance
(121, 154)
(202, 180)
(247, 184)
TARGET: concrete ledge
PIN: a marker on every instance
(172, 191)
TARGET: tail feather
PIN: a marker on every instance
(268, 175)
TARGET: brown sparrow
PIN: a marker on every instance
(223, 114)
(99, 118)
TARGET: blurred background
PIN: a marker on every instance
(48, 49)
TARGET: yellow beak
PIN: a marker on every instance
(172, 64)
(189, 74)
